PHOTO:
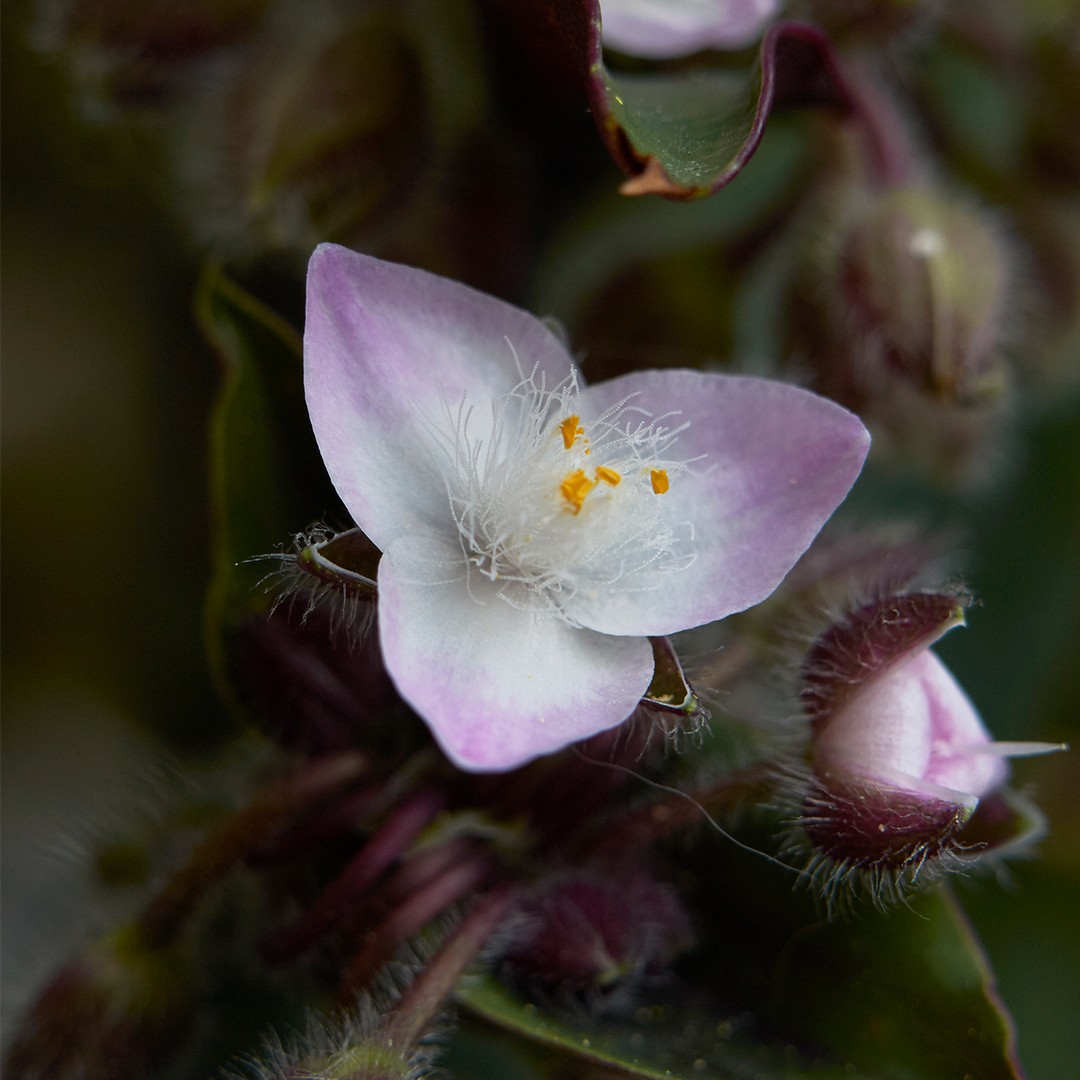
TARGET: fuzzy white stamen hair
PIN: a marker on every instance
(506, 475)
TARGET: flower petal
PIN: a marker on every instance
(960, 740)
(915, 728)
(661, 29)
(778, 461)
(497, 685)
(387, 350)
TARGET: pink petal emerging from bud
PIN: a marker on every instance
(915, 730)
(900, 757)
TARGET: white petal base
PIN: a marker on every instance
(498, 685)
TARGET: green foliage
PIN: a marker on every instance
(266, 479)
(687, 133)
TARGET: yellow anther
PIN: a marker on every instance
(575, 487)
(609, 476)
(660, 482)
(570, 430)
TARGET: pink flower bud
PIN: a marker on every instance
(900, 758)
(900, 767)
(915, 729)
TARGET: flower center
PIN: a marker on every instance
(546, 505)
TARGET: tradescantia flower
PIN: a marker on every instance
(663, 29)
(536, 531)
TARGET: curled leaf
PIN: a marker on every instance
(685, 132)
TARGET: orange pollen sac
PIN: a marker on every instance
(609, 476)
(660, 482)
(575, 487)
(570, 430)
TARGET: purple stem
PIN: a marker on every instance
(409, 918)
(426, 996)
(335, 822)
(230, 844)
(344, 894)
(890, 155)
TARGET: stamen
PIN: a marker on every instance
(575, 487)
(511, 493)
(571, 430)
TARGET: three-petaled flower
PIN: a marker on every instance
(536, 531)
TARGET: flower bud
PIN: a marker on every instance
(904, 316)
(924, 280)
(341, 123)
(587, 934)
(899, 769)
(665, 31)
(900, 758)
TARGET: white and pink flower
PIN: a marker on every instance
(535, 531)
(664, 29)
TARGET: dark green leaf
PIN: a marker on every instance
(664, 1040)
(905, 993)
(267, 480)
(901, 994)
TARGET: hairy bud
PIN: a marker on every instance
(337, 125)
(907, 315)
(125, 54)
(899, 757)
(588, 935)
(925, 281)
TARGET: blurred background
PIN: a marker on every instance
(107, 695)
